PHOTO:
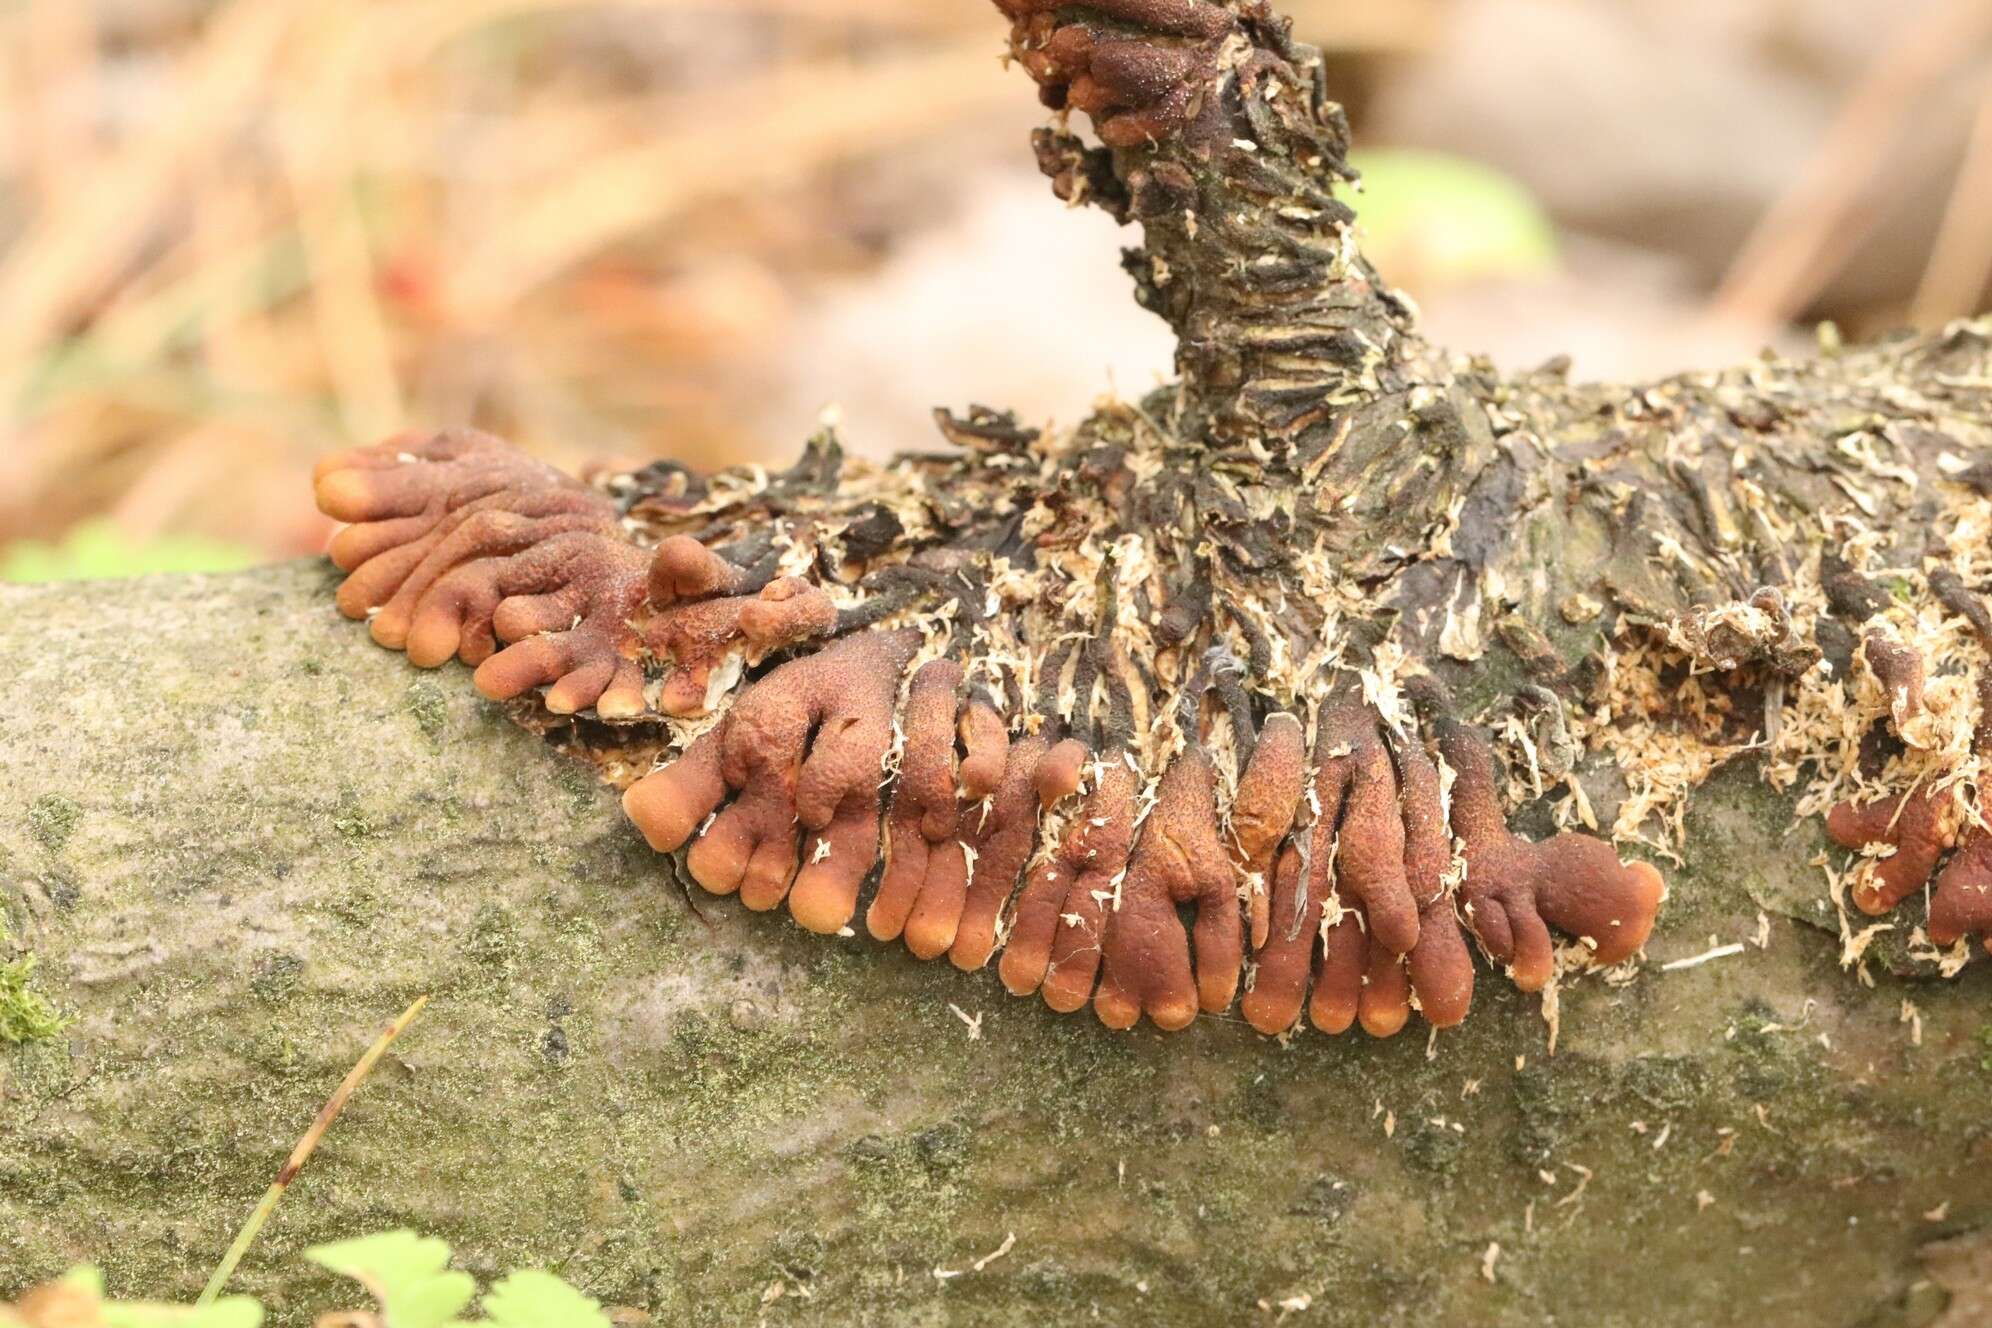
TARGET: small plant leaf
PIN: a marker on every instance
(1450, 220)
(78, 1298)
(529, 1299)
(408, 1274)
(96, 550)
(234, 1312)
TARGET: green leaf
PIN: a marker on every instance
(1444, 220)
(83, 1277)
(529, 1299)
(234, 1312)
(408, 1274)
(94, 550)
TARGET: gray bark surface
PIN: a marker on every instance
(239, 838)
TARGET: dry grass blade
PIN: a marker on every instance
(1961, 265)
(78, 246)
(326, 1115)
(248, 231)
(795, 120)
(1814, 228)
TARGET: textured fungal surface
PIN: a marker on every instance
(1288, 688)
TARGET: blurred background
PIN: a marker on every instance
(237, 233)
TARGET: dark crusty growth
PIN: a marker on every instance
(1223, 697)
(802, 703)
(1122, 709)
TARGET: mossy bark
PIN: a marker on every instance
(240, 837)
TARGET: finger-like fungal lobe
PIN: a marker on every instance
(460, 545)
(1263, 811)
(1179, 859)
(1515, 891)
(1901, 836)
(790, 781)
(1061, 914)
(704, 637)
(421, 509)
(1961, 904)
(1002, 832)
(1898, 671)
(1362, 927)
(926, 862)
(1439, 968)
(684, 569)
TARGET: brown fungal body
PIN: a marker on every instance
(1043, 697)
(1059, 927)
(923, 854)
(1136, 89)
(1916, 827)
(700, 636)
(1961, 904)
(1514, 891)
(1899, 671)
(1381, 833)
(802, 752)
(1179, 860)
(1268, 800)
(1904, 837)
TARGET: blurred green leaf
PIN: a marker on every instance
(408, 1274)
(1433, 219)
(529, 1299)
(96, 550)
(235, 1312)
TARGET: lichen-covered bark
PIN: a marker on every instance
(238, 837)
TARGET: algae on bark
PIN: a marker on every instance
(277, 836)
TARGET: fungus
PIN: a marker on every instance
(1899, 671)
(1904, 836)
(1961, 905)
(1359, 978)
(1179, 860)
(1915, 827)
(1055, 937)
(986, 750)
(1355, 779)
(1291, 503)
(1362, 979)
(803, 747)
(1272, 1002)
(1136, 90)
(1379, 831)
(461, 543)
(699, 636)
(1514, 891)
(407, 496)
(684, 569)
(922, 854)
(1262, 812)
(1037, 776)
(565, 605)
(1439, 967)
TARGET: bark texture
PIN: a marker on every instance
(238, 836)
